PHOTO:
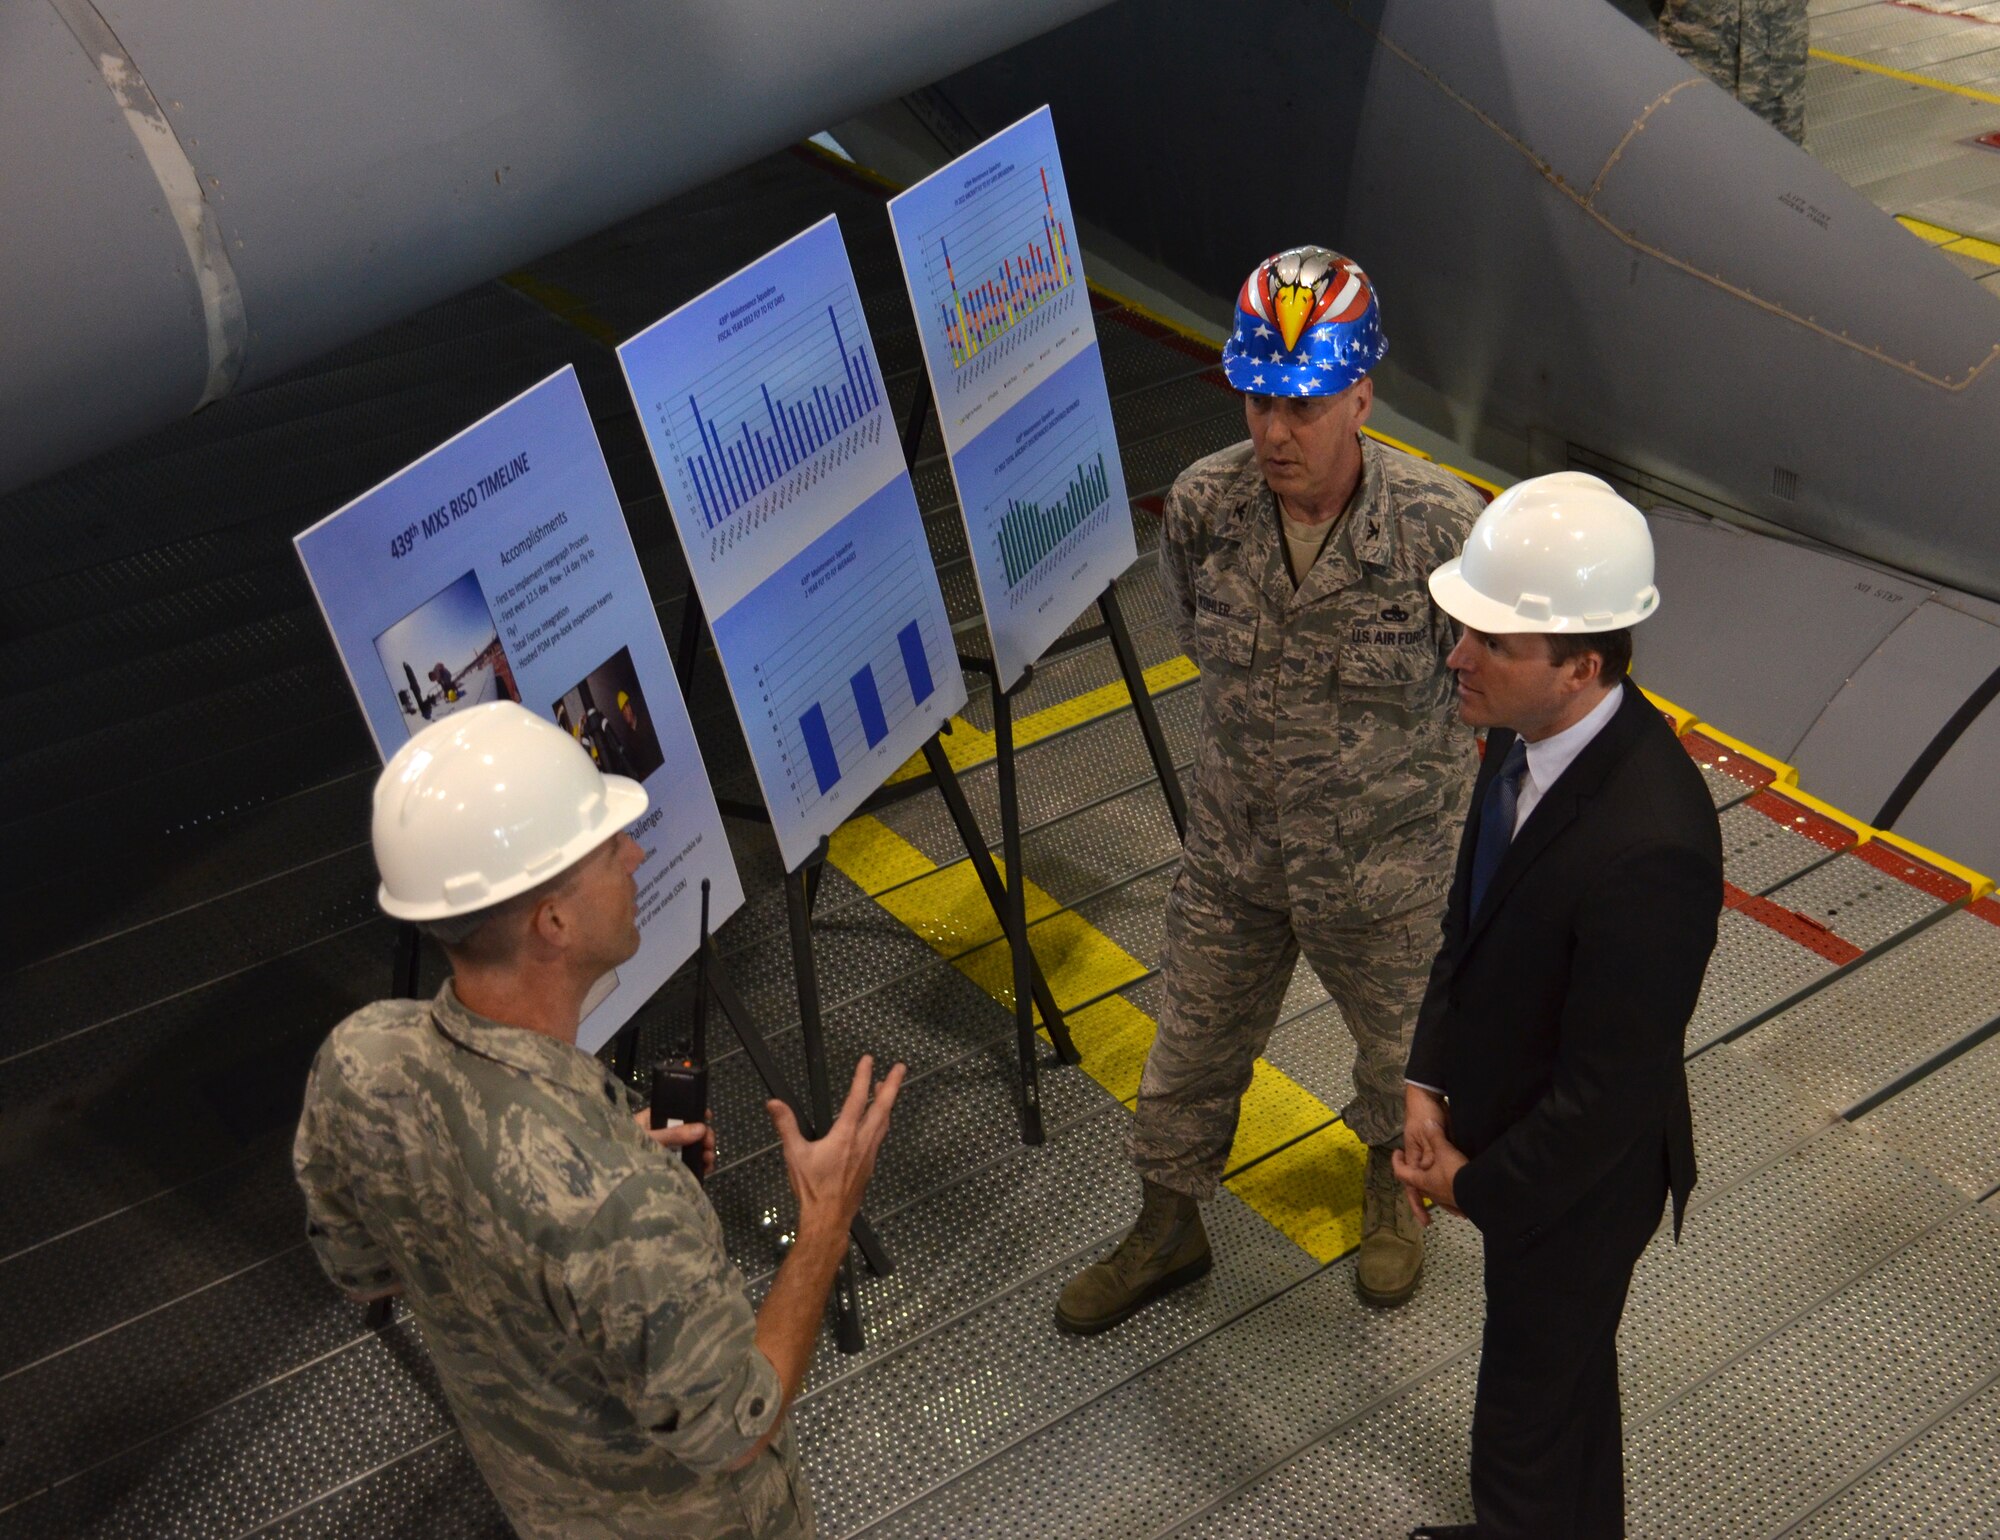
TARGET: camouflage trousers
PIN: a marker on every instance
(1227, 963)
(1753, 49)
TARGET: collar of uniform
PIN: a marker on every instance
(1363, 534)
(531, 1053)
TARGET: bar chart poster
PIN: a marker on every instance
(988, 248)
(499, 567)
(762, 404)
(841, 665)
(1046, 514)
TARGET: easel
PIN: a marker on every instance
(1110, 626)
(1008, 899)
(802, 895)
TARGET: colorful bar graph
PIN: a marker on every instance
(868, 701)
(1029, 531)
(819, 748)
(733, 467)
(974, 317)
(919, 667)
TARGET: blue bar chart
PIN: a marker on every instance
(759, 439)
(762, 405)
(838, 662)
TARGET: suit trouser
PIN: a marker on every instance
(1547, 1442)
(1227, 962)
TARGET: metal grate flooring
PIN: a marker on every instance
(1902, 122)
(171, 1364)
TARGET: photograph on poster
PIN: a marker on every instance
(606, 712)
(446, 655)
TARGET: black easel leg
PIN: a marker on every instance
(847, 1334)
(1015, 922)
(913, 425)
(1142, 705)
(689, 646)
(873, 1252)
(960, 809)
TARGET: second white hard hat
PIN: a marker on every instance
(1553, 553)
(485, 804)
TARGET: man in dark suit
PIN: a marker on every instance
(1547, 1102)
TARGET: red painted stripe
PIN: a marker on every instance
(1987, 910)
(1704, 750)
(1803, 820)
(1908, 869)
(1790, 924)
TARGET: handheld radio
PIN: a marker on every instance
(680, 1085)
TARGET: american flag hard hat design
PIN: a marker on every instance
(1307, 324)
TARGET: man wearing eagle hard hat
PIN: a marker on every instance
(1331, 779)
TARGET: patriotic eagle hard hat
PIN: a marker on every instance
(1552, 553)
(483, 805)
(1307, 324)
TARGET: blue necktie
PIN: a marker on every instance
(1496, 822)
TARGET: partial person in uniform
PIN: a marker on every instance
(1331, 775)
(1547, 1102)
(594, 1340)
(1754, 49)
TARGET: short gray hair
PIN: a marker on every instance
(461, 934)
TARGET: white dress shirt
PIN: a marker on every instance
(1554, 754)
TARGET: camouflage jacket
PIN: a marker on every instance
(592, 1336)
(1329, 722)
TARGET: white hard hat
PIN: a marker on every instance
(1553, 553)
(485, 804)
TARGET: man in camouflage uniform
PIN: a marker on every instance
(1753, 49)
(593, 1339)
(1331, 778)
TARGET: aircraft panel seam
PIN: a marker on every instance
(1638, 127)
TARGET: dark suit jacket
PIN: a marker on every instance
(1554, 1018)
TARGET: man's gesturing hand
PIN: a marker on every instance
(1426, 1126)
(829, 1175)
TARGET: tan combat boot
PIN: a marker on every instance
(1391, 1263)
(1166, 1248)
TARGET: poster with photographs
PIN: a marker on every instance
(498, 567)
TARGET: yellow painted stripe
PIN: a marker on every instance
(1683, 718)
(1928, 82)
(1396, 443)
(1980, 883)
(966, 746)
(1805, 799)
(1310, 1189)
(1962, 245)
(1784, 773)
(564, 306)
